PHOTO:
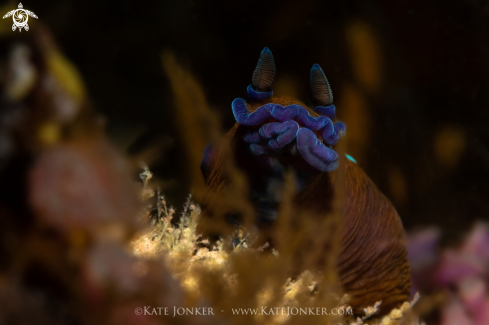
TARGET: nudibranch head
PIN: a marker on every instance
(274, 124)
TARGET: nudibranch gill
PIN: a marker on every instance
(275, 134)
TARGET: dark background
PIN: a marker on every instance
(410, 79)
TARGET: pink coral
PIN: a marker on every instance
(463, 271)
(82, 184)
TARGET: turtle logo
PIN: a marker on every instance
(20, 17)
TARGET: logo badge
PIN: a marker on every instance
(20, 17)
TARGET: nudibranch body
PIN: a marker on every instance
(276, 134)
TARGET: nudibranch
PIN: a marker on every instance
(275, 134)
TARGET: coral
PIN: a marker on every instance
(89, 175)
(462, 273)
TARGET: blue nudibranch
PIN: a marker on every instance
(273, 135)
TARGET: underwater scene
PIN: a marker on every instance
(244, 162)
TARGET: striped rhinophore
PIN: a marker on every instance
(320, 86)
(264, 71)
